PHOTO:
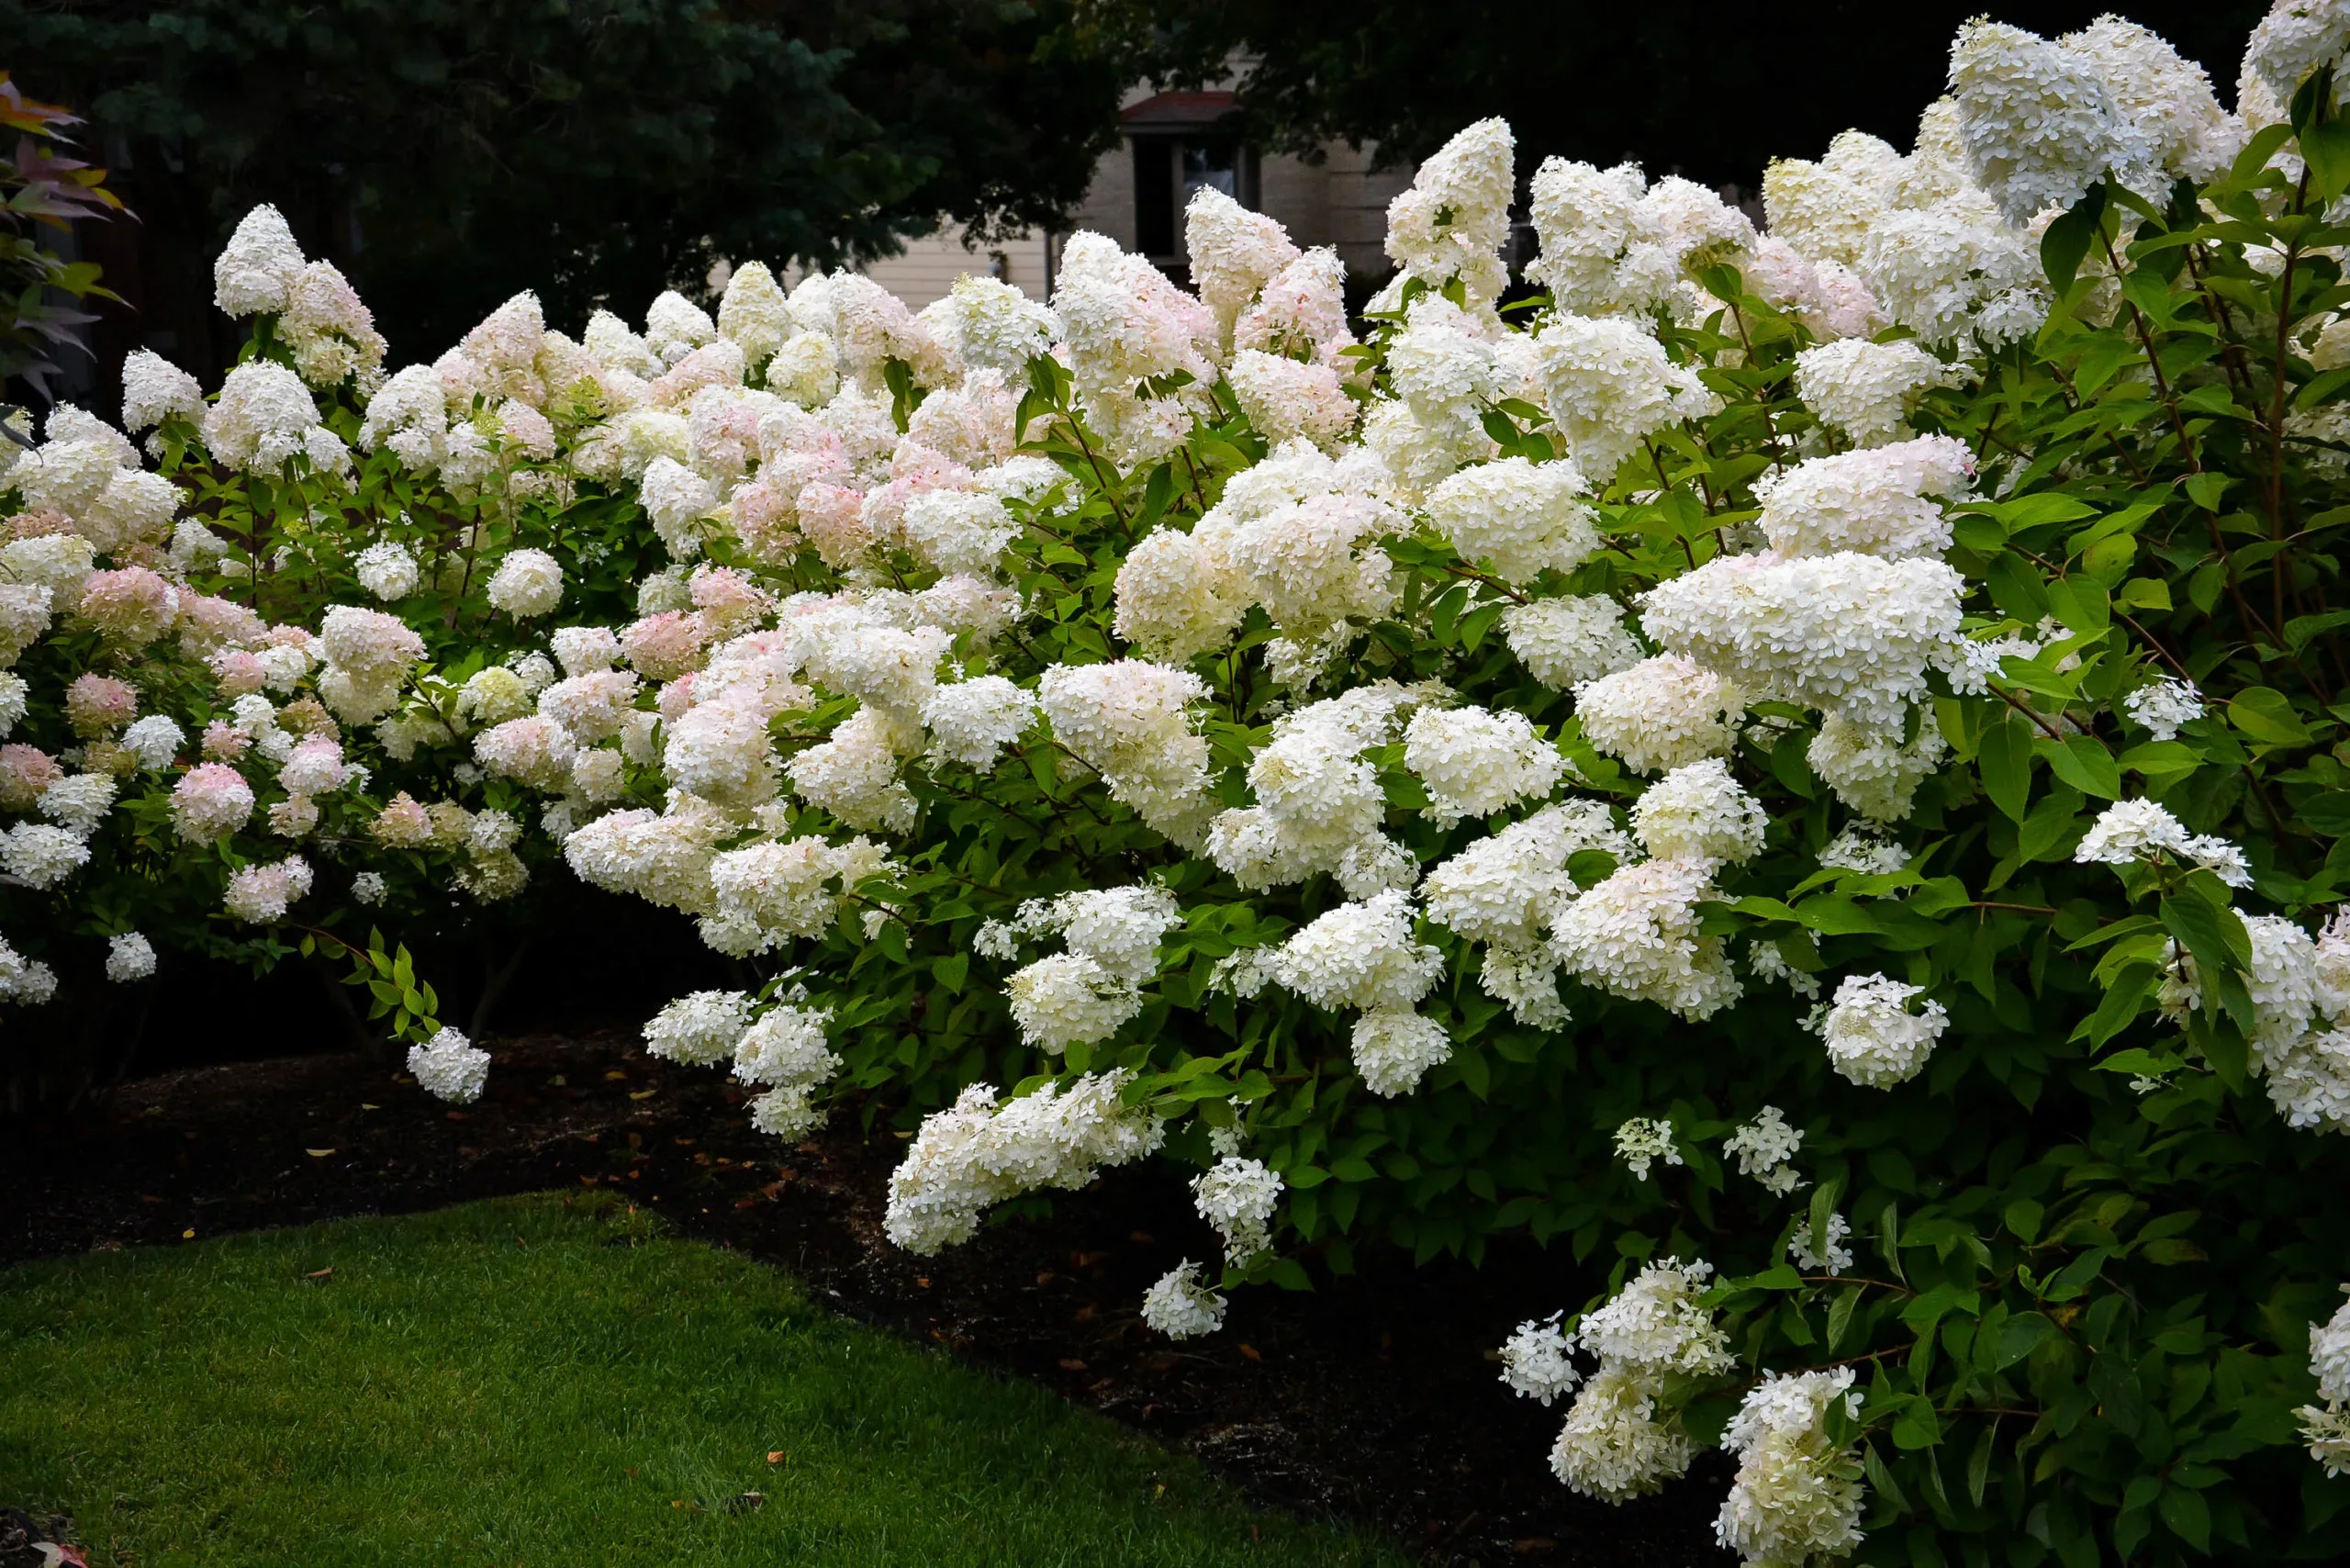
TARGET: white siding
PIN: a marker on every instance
(929, 268)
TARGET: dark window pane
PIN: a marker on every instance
(1153, 195)
(1214, 165)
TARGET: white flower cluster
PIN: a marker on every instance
(1566, 641)
(1615, 245)
(1130, 722)
(28, 982)
(2037, 122)
(1849, 632)
(2130, 832)
(1643, 1140)
(1364, 955)
(2165, 707)
(1809, 1254)
(1476, 762)
(1452, 222)
(1796, 1498)
(1519, 518)
(2326, 1428)
(1765, 1149)
(1507, 888)
(1320, 809)
(1866, 389)
(2300, 996)
(1620, 1441)
(1082, 995)
(1864, 235)
(1663, 711)
(1636, 936)
(450, 1067)
(1872, 1036)
(699, 1029)
(1180, 1305)
(1611, 387)
(978, 1152)
(1537, 1360)
(785, 1053)
(1237, 1196)
(129, 957)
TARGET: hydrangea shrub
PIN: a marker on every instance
(1803, 767)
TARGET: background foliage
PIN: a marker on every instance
(448, 155)
(1669, 85)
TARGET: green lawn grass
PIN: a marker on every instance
(541, 1382)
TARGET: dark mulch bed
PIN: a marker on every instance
(1372, 1397)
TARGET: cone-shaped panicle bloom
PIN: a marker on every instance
(978, 1153)
(256, 272)
(1454, 219)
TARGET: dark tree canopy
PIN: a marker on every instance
(1713, 88)
(447, 154)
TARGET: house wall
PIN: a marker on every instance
(929, 268)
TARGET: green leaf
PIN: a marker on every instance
(2004, 764)
(2041, 508)
(951, 971)
(1839, 1317)
(2082, 604)
(2216, 936)
(1978, 1467)
(1916, 1427)
(1880, 1476)
(2326, 147)
(1975, 532)
(2188, 1516)
(1704, 1420)
(2123, 999)
(2301, 628)
(2161, 759)
(2206, 489)
(2266, 715)
(1289, 1274)
(1823, 1204)
(2144, 1063)
(2327, 814)
(2084, 763)
(2017, 587)
(2019, 1336)
(2065, 243)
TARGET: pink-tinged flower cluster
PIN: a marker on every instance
(206, 624)
(210, 802)
(664, 647)
(315, 767)
(258, 895)
(532, 751)
(239, 673)
(367, 640)
(132, 606)
(224, 742)
(403, 823)
(25, 772)
(98, 705)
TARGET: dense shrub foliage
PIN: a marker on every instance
(1799, 767)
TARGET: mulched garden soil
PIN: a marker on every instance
(1374, 1398)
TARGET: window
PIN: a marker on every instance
(1169, 170)
(1211, 166)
